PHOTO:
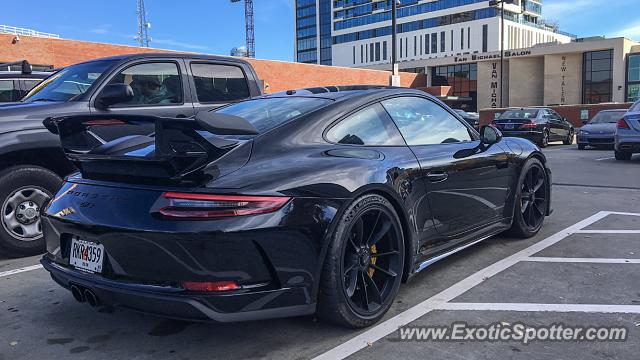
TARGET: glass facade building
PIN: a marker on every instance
(633, 78)
(597, 77)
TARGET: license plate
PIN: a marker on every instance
(509, 126)
(87, 256)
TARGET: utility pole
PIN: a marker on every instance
(394, 35)
(142, 37)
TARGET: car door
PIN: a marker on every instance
(467, 183)
(370, 131)
(160, 88)
(558, 131)
(216, 84)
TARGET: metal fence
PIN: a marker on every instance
(26, 32)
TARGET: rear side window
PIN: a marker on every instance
(219, 83)
(27, 85)
(8, 91)
(370, 126)
(267, 113)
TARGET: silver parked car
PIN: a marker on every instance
(627, 137)
(600, 130)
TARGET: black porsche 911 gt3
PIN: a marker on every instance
(311, 201)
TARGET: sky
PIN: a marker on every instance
(216, 26)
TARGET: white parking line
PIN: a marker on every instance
(585, 308)
(20, 270)
(607, 158)
(437, 301)
(582, 260)
(608, 232)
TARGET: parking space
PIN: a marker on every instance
(582, 269)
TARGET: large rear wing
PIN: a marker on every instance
(154, 149)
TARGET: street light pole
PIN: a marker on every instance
(501, 53)
(394, 34)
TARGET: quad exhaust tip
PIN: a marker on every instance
(78, 294)
(91, 297)
(82, 294)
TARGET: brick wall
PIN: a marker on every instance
(570, 112)
(279, 75)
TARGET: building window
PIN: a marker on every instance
(443, 41)
(384, 51)
(415, 46)
(406, 47)
(377, 51)
(633, 78)
(354, 55)
(421, 51)
(434, 43)
(469, 38)
(371, 53)
(462, 39)
(426, 43)
(485, 35)
(401, 48)
(598, 77)
(361, 54)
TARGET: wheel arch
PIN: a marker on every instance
(50, 158)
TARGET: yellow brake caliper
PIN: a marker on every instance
(373, 260)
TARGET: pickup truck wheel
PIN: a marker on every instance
(23, 191)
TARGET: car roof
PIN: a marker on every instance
(165, 55)
(344, 92)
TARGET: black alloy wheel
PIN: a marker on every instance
(531, 201)
(371, 261)
(545, 138)
(569, 140)
(364, 266)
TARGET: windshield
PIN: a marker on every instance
(520, 114)
(607, 117)
(69, 82)
(267, 113)
(635, 107)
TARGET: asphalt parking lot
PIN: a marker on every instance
(583, 269)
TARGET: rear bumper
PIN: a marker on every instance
(174, 303)
(632, 147)
(595, 140)
(535, 136)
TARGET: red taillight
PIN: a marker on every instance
(190, 206)
(622, 124)
(531, 125)
(103, 122)
(210, 286)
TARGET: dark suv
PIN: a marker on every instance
(16, 84)
(31, 161)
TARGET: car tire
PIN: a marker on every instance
(581, 147)
(532, 178)
(341, 301)
(623, 155)
(569, 140)
(23, 191)
(544, 142)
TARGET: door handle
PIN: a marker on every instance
(438, 176)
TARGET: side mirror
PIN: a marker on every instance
(489, 135)
(114, 94)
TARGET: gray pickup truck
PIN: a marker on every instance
(32, 163)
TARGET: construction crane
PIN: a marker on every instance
(248, 17)
(142, 37)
